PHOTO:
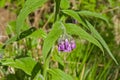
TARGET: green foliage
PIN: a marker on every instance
(76, 30)
(2, 3)
(51, 39)
(38, 33)
(26, 64)
(64, 4)
(21, 36)
(32, 53)
(74, 15)
(30, 5)
(57, 57)
(93, 14)
(97, 36)
(57, 74)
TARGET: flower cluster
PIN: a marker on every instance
(66, 44)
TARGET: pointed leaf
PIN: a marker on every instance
(76, 30)
(74, 15)
(51, 38)
(101, 40)
(20, 36)
(30, 5)
(93, 14)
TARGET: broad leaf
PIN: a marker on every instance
(30, 5)
(51, 38)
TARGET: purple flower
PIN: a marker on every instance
(68, 48)
(66, 45)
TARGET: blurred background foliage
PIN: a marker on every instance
(86, 62)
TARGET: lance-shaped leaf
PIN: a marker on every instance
(101, 40)
(30, 5)
(51, 38)
(73, 29)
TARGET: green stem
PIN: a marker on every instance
(64, 29)
(46, 65)
(57, 7)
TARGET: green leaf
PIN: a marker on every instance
(11, 27)
(2, 3)
(93, 14)
(74, 15)
(76, 30)
(57, 74)
(20, 36)
(38, 33)
(26, 33)
(51, 38)
(101, 40)
(30, 5)
(26, 64)
(64, 4)
(93, 71)
(36, 71)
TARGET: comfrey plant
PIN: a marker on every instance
(50, 65)
(66, 43)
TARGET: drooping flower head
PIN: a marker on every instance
(66, 43)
